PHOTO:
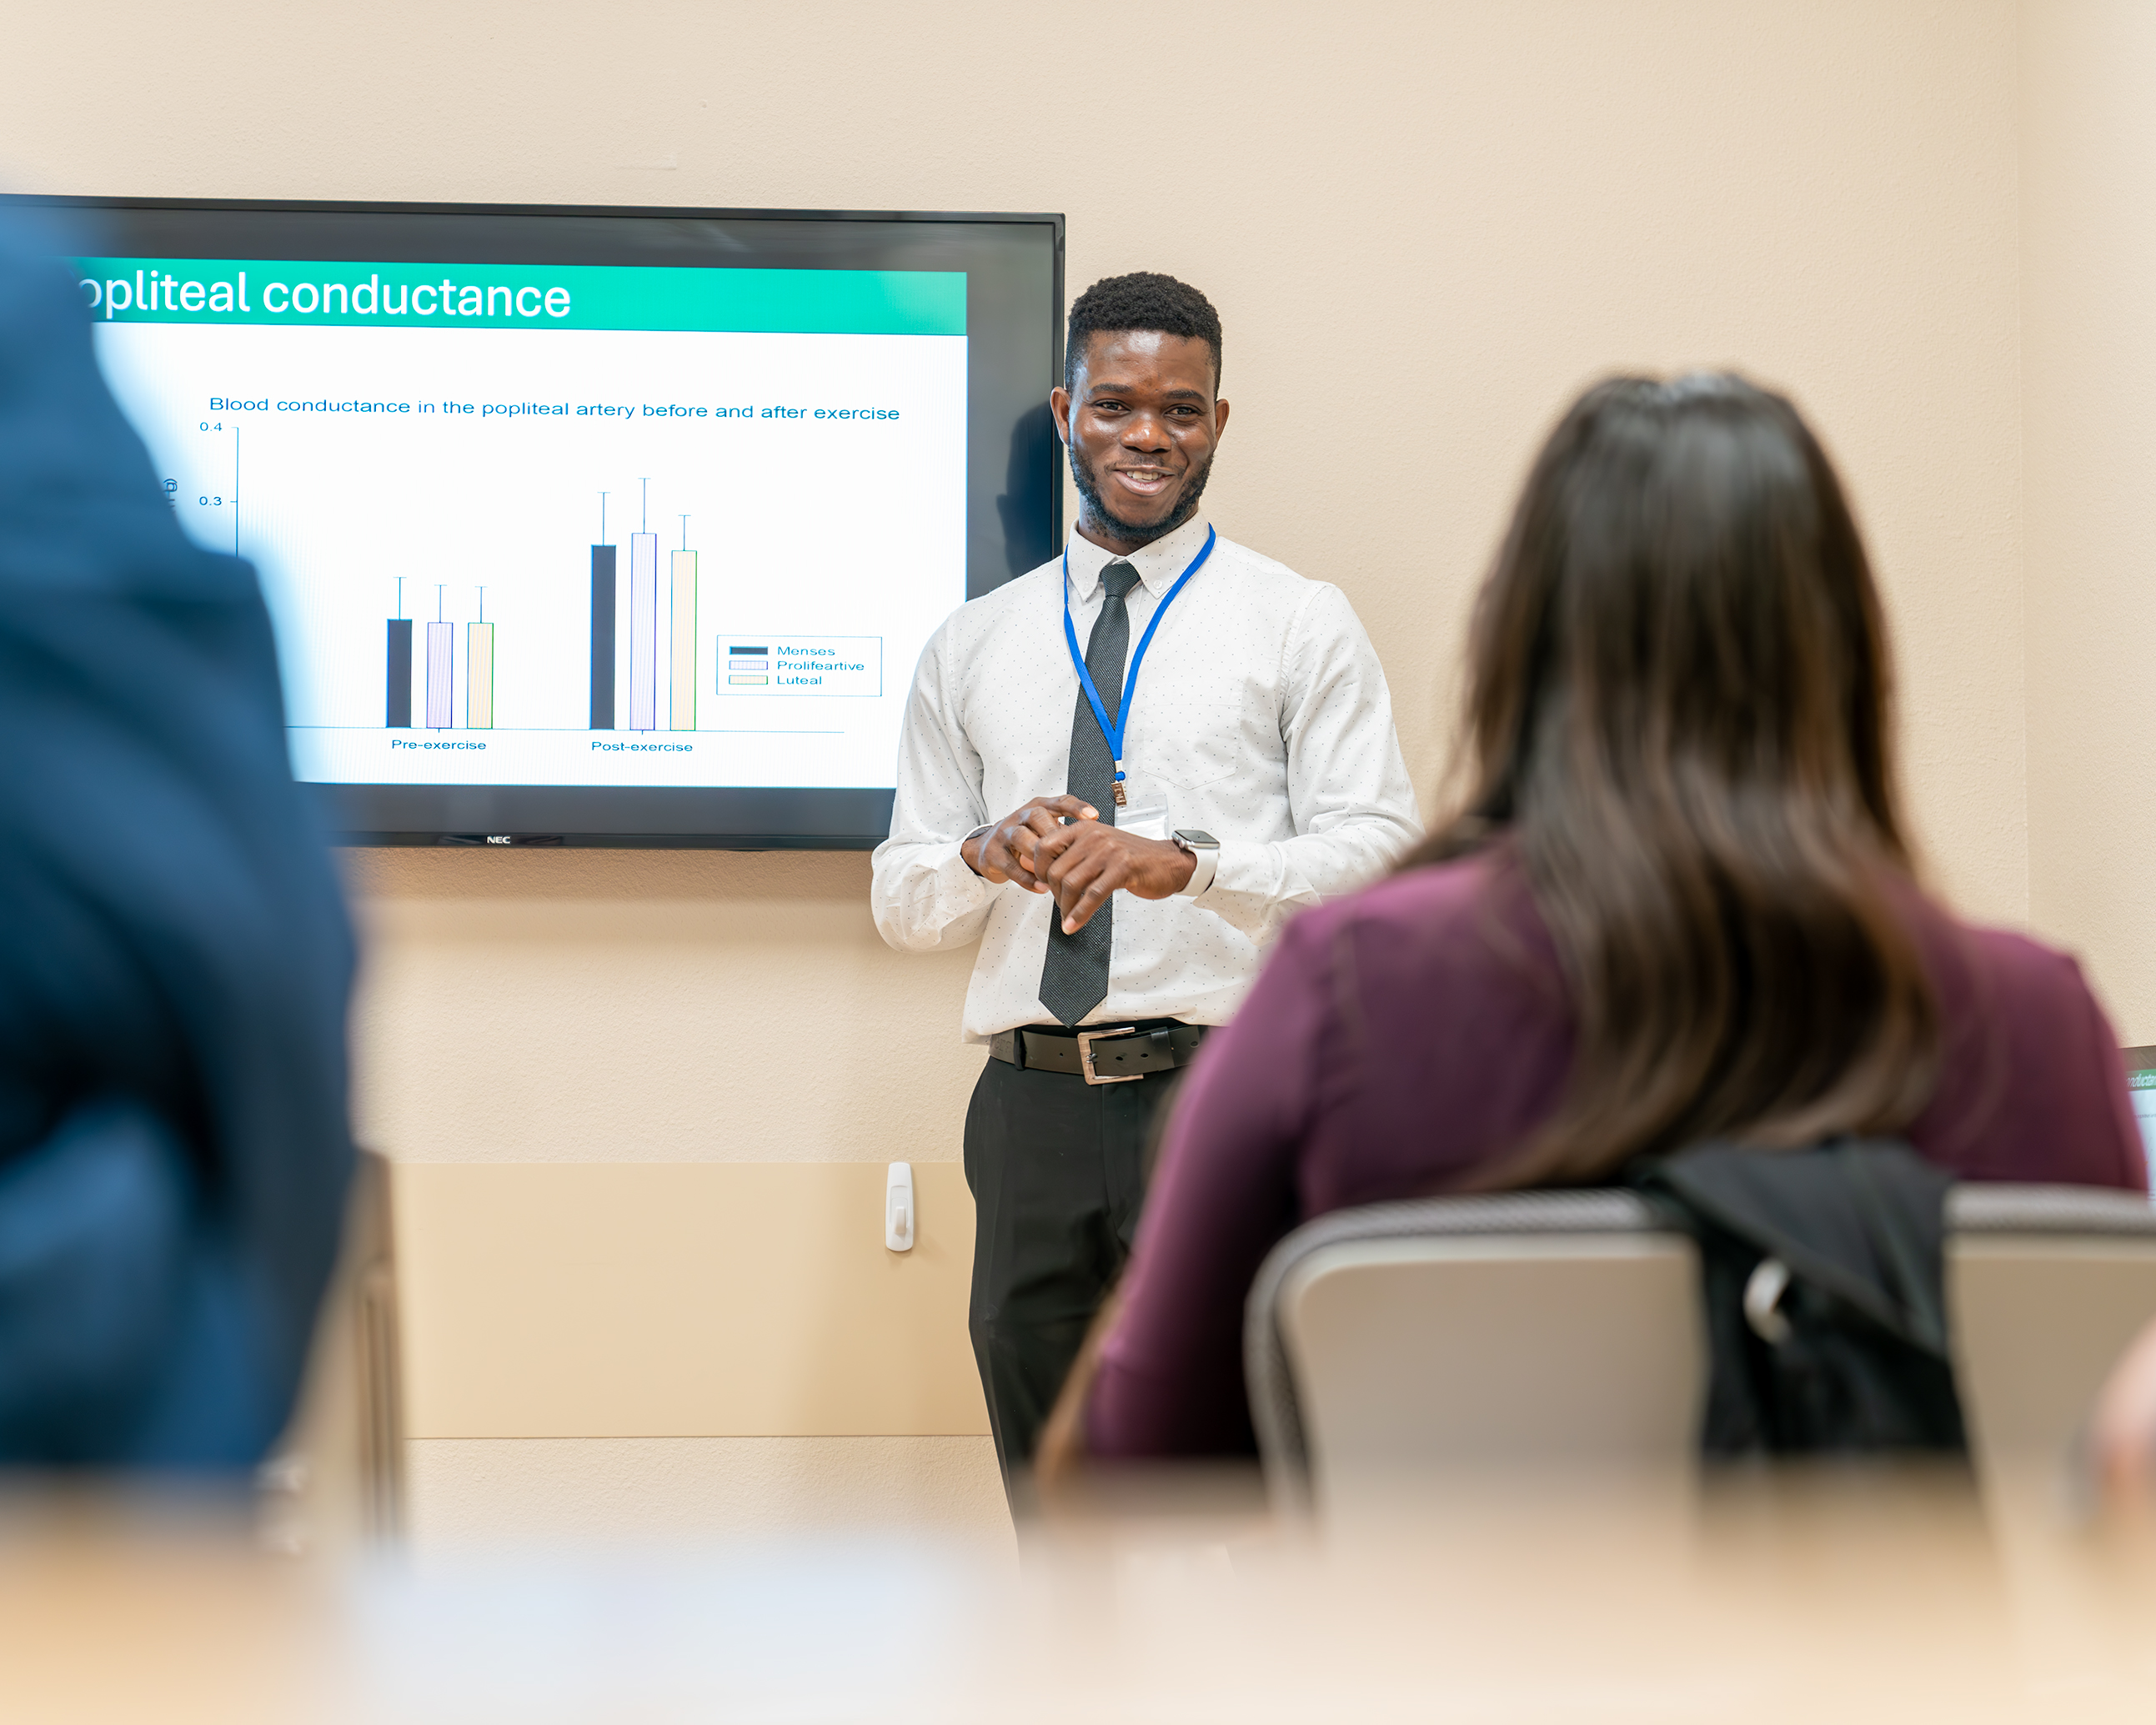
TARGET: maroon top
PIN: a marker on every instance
(1401, 1039)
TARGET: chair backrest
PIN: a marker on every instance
(2046, 1285)
(1565, 1327)
(1501, 1329)
(336, 1480)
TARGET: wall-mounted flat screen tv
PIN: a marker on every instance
(591, 526)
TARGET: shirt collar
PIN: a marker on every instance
(1158, 564)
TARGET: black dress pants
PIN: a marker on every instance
(1057, 1169)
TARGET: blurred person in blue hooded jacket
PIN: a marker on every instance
(175, 959)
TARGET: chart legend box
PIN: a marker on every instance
(800, 665)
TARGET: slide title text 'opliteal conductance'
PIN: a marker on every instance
(895, 302)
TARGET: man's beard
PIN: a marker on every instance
(1096, 506)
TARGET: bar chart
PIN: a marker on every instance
(479, 670)
(441, 670)
(603, 599)
(398, 704)
(662, 667)
(440, 680)
(681, 702)
(644, 631)
(442, 674)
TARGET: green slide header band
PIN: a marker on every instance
(523, 297)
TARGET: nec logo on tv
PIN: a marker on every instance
(500, 839)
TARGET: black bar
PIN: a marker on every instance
(602, 638)
(399, 714)
(727, 817)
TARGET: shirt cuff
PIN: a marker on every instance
(1245, 865)
(986, 826)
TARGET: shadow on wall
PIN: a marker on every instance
(1033, 447)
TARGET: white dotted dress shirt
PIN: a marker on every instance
(1260, 715)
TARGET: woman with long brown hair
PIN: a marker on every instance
(1675, 902)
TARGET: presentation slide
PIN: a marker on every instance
(2141, 1090)
(573, 526)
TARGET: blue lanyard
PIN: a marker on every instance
(1114, 731)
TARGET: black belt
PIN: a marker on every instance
(1102, 1053)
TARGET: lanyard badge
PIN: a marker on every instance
(1114, 731)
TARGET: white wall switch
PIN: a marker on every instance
(899, 1219)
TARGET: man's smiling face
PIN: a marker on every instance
(1141, 422)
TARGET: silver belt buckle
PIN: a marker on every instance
(1086, 1039)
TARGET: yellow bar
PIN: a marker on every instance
(479, 676)
(683, 684)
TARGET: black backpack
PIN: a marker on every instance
(1823, 1275)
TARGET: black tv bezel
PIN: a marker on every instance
(740, 818)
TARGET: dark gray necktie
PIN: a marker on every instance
(1074, 978)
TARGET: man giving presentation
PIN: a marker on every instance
(1121, 773)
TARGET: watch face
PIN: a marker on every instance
(1191, 835)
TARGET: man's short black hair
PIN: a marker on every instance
(1143, 300)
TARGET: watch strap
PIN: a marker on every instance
(1206, 863)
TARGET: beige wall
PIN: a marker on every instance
(1425, 225)
(2089, 414)
(635, 1300)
